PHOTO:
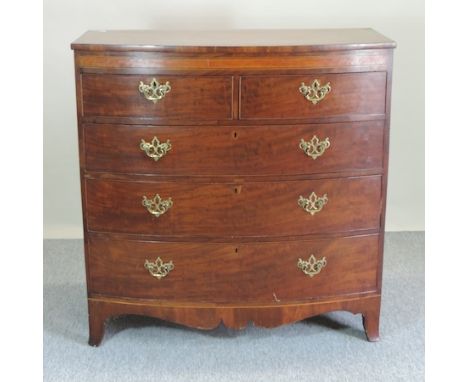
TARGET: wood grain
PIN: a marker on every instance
(233, 272)
(239, 209)
(242, 150)
(208, 97)
(268, 97)
(241, 40)
(138, 62)
(210, 316)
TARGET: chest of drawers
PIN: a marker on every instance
(233, 177)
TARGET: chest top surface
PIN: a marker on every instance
(244, 40)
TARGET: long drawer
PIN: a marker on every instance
(313, 96)
(228, 272)
(240, 150)
(229, 209)
(189, 97)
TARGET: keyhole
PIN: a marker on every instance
(234, 134)
(237, 189)
(236, 250)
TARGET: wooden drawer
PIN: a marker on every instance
(220, 272)
(229, 209)
(190, 97)
(278, 97)
(240, 150)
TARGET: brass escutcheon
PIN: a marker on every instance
(157, 206)
(312, 266)
(154, 91)
(315, 92)
(313, 203)
(315, 147)
(159, 269)
(155, 149)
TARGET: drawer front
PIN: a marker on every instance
(240, 150)
(229, 209)
(190, 97)
(220, 272)
(279, 97)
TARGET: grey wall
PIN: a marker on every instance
(64, 21)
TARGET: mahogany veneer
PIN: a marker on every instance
(243, 149)
(352, 94)
(221, 272)
(114, 95)
(234, 209)
(240, 140)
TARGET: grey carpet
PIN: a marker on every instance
(325, 348)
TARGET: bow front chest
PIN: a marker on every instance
(233, 177)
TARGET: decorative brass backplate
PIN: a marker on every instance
(159, 269)
(312, 266)
(313, 203)
(155, 149)
(154, 91)
(157, 206)
(315, 147)
(315, 92)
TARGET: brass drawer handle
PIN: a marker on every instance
(313, 203)
(312, 266)
(155, 149)
(159, 269)
(315, 147)
(154, 91)
(315, 92)
(157, 206)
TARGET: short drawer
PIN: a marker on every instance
(234, 209)
(269, 272)
(235, 150)
(347, 96)
(189, 97)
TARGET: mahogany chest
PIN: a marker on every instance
(235, 176)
